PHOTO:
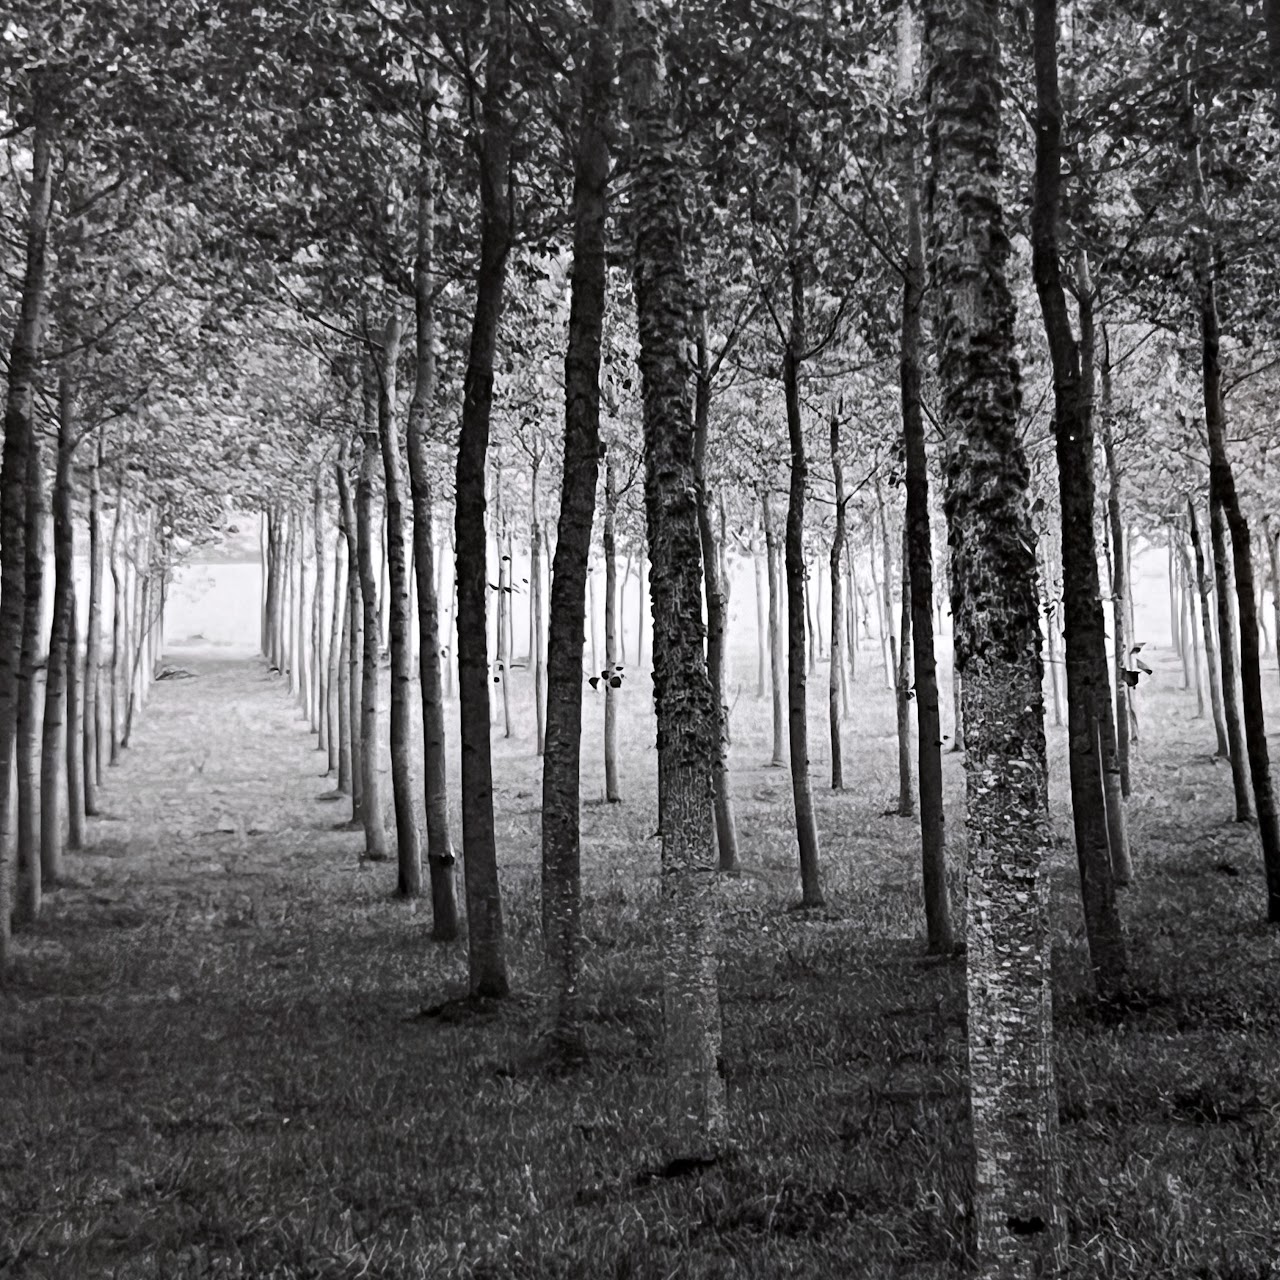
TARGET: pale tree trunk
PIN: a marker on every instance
(537, 632)
(334, 710)
(30, 875)
(353, 633)
(606, 675)
(642, 595)
(117, 621)
(1185, 616)
(485, 934)
(399, 622)
(683, 697)
(264, 591)
(440, 855)
(1204, 588)
(777, 658)
(882, 591)
(19, 434)
(1175, 619)
(1228, 657)
(717, 597)
(1102, 856)
(503, 645)
(301, 628)
(902, 696)
(1273, 560)
(566, 634)
(836, 673)
(810, 614)
(1119, 578)
(590, 627)
(92, 736)
(371, 806)
(319, 661)
(1191, 634)
(73, 739)
(762, 626)
(1050, 613)
(1018, 1213)
(797, 709)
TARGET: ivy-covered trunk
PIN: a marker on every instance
(1018, 1214)
(440, 855)
(1088, 690)
(485, 946)
(566, 630)
(683, 697)
(24, 360)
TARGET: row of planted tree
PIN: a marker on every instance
(243, 229)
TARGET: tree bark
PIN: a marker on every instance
(683, 697)
(777, 658)
(336, 709)
(537, 629)
(1018, 1213)
(1273, 560)
(1204, 588)
(1101, 846)
(399, 623)
(485, 946)
(566, 635)
(1228, 656)
(319, 659)
(715, 590)
(762, 626)
(371, 804)
(797, 708)
(441, 860)
(836, 672)
(606, 674)
(92, 736)
(1119, 578)
(24, 360)
(353, 642)
(902, 697)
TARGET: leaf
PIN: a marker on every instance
(1130, 678)
(594, 681)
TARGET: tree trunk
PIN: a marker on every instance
(1101, 839)
(1119, 577)
(440, 854)
(353, 640)
(606, 674)
(1190, 631)
(836, 672)
(319, 659)
(797, 709)
(1224, 499)
(503, 639)
(335, 710)
(810, 614)
(537, 653)
(1204, 588)
(641, 597)
(566, 635)
(91, 737)
(485, 946)
(30, 871)
(884, 603)
(1228, 657)
(902, 697)
(1018, 1213)
(714, 588)
(19, 432)
(1273, 559)
(375, 830)
(777, 659)
(1175, 619)
(683, 697)
(762, 627)
(400, 624)
(346, 774)
(1050, 613)
(918, 551)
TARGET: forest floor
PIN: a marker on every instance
(214, 1059)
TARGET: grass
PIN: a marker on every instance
(213, 1060)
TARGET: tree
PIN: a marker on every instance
(1017, 1209)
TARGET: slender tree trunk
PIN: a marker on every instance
(1051, 635)
(73, 739)
(371, 808)
(1175, 619)
(1018, 1213)
(117, 620)
(1119, 577)
(607, 673)
(1224, 500)
(811, 615)
(797, 709)
(918, 552)
(888, 641)
(485, 945)
(902, 697)
(537, 630)
(334, 710)
(319, 659)
(777, 658)
(346, 774)
(561, 787)
(1185, 614)
(93, 643)
(1191, 630)
(836, 672)
(1101, 839)
(19, 435)
(762, 626)
(683, 697)
(1272, 538)
(642, 595)
(1204, 588)
(353, 640)
(1228, 657)
(441, 860)
(503, 639)
(714, 588)
(30, 870)
(400, 623)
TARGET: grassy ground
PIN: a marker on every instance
(213, 1061)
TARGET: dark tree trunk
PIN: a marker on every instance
(836, 673)
(1228, 655)
(485, 946)
(19, 431)
(902, 697)
(566, 635)
(1204, 588)
(1018, 1213)
(919, 555)
(606, 674)
(717, 597)
(797, 708)
(1088, 691)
